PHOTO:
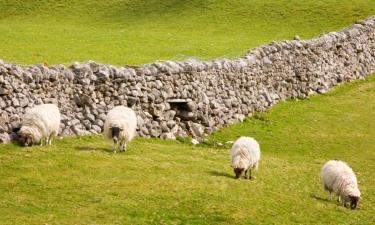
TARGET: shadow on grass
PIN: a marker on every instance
(327, 200)
(221, 174)
(88, 148)
(319, 198)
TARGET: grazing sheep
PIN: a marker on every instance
(339, 178)
(245, 154)
(40, 124)
(120, 126)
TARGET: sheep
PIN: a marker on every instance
(40, 124)
(245, 155)
(120, 126)
(339, 178)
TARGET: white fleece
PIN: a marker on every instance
(245, 153)
(123, 118)
(41, 122)
(339, 178)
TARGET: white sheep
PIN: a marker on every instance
(339, 178)
(120, 126)
(40, 124)
(245, 155)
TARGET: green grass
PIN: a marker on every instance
(80, 181)
(138, 31)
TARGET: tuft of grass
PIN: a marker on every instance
(138, 31)
(80, 181)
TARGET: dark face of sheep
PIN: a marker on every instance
(353, 201)
(26, 140)
(238, 172)
(115, 133)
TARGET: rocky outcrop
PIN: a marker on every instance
(191, 97)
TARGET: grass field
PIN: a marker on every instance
(80, 181)
(139, 31)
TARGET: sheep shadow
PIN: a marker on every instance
(319, 198)
(88, 148)
(220, 174)
(327, 200)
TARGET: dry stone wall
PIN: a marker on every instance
(191, 97)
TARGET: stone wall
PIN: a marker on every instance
(191, 97)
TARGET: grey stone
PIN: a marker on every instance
(155, 132)
(168, 136)
(196, 129)
(90, 117)
(87, 124)
(5, 138)
(99, 122)
(132, 101)
(192, 106)
(23, 102)
(15, 102)
(186, 115)
(73, 122)
(97, 128)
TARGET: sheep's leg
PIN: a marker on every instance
(49, 139)
(330, 196)
(124, 147)
(248, 174)
(120, 147)
(338, 198)
(114, 147)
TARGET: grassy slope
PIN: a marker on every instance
(79, 181)
(139, 31)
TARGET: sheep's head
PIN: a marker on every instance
(353, 201)
(352, 196)
(26, 136)
(115, 133)
(238, 172)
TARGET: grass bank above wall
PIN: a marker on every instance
(139, 31)
(80, 181)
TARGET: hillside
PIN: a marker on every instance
(80, 181)
(138, 31)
